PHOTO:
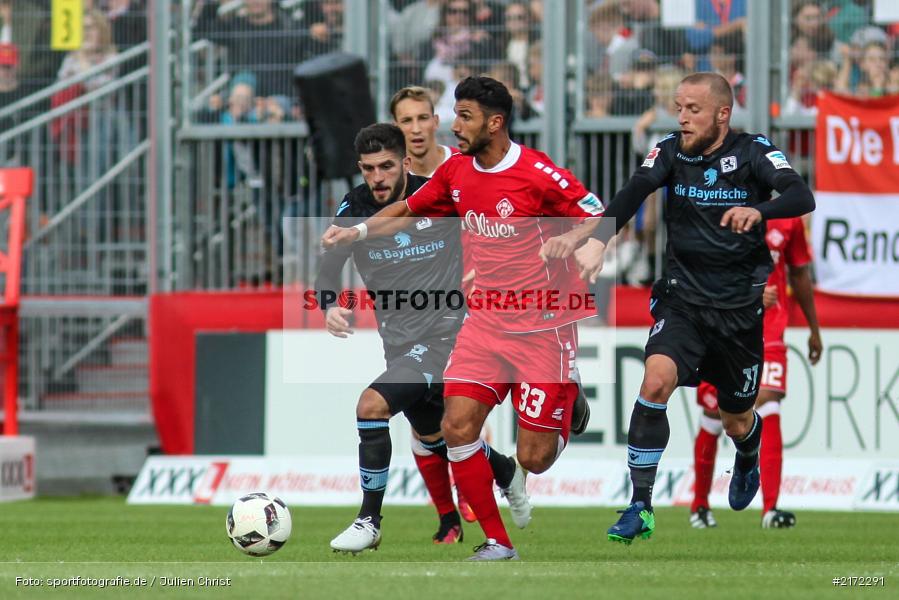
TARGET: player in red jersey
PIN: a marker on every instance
(790, 253)
(413, 112)
(504, 192)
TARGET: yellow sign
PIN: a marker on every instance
(66, 31)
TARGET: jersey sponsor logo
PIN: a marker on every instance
(457, 195)
(728, 164)
(778, 159)
(504, 208)
(657, 327)
(711, 177)
(418, 252)
(591, 204)
(424, 223)
(703, 195)
(688, 159)
(650, 159)
(402, 239)
(762, 140)
(479, 224)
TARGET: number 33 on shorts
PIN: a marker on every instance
(531, 402)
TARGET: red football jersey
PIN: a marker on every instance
(789, 248)
(508, 212)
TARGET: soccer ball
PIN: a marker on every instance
(258, 524)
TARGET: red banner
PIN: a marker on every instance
(855, 227)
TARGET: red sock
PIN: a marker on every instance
(433, 470)
(474, 478)
(704, 452)
(771, 460)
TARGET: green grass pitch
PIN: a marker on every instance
(564, 553)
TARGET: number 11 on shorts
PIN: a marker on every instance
(537, 396)
(752, 376)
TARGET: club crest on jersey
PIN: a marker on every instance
(728, 164)
(457, 195)
(711, 177)
(504, 208)
(650, 159)
(424, 223)
(775, 237)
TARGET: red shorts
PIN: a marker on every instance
(536, 367)
(774, 377)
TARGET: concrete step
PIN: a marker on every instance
(112, 379)
(125, 401)
(129, 351)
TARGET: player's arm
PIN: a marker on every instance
(327, 280)
(624, 205)
(771, 167)
(801, 283)
(387, 221)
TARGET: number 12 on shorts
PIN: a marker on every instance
(536, 396)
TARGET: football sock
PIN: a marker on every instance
(374, 461)
(432, 466)
(503, 466)
(436, 477)
(646, 440)
(704, 452)
(474, 478)
(770, 455)
(748, 446)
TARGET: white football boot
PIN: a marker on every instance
(516, 494)
(361, 535)
(490, 550)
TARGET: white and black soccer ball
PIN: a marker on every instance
(258, 524)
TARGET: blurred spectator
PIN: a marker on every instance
(809, 21)
(726, 58)
(616, 41)
(873, 64)
(456, 37)
(26, 24)
(848, 16)
(644, 17)
(507, 74)
(666, 81)
(600, 95)
(634, 93)
(805, 84)
(487, 15)
(714, 19)
(802, 52)
(535, 75)
(415, 25)
(326, 26)
(264, 41)
(9, 74)
(96, 48)
(520, 34)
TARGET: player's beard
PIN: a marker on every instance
(699, 145)
(479, 143)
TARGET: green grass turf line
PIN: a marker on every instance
(565, 554)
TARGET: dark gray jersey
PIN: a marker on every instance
(426, 257)
(707, 264)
